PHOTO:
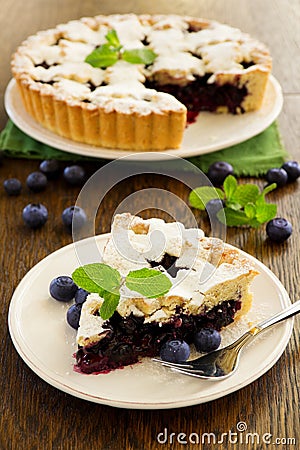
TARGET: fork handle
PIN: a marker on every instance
(279, 317)
(254, 331)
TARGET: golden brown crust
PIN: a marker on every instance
(95, 125)
(99, 128)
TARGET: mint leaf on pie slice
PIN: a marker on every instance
(103, 56)
(97, 277)
(202, 195)
(150, 283)
(110, 304)
(139, 56)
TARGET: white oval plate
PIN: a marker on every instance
(209, 133)
(46, 343)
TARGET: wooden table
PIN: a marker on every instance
(36, 416)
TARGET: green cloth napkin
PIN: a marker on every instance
(249, 158)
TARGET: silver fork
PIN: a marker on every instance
(222, 363)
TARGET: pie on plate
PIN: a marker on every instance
(210, 288)
(199, 65)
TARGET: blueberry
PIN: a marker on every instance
(36, 181)
(80, 296)
(213, 207)
(12, 186)
(73, 315)
(218, 171)
(278, 176)
(50, 168)
(207, 340)
(73, 216)
(63, 288)
(292, 168)
(35, 215)
(74, 175)
(279, 229)
(175, 351)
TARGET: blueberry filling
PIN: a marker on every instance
(168, 263)
(200, 96)
(247, 64)
(51, 82)
(45, 65)
(129, 338)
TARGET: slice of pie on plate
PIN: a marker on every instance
(210, 288)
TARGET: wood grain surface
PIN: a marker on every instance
(36, 416)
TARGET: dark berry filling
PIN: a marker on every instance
(168, 263)
(45, 65)
(128, 339)
(200, 96)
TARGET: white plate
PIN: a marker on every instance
(46, 343)
(209, 133)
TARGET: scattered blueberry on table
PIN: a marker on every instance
(36, 181)
(50, 168)
(207, 340)
(35, 215)
(218, 171)
(279, 229)
(12, 186)
(292, 169)
(74, 175)
(175, 351)
(278, 176)
(63, 288)
(213, 207)
(73, 216)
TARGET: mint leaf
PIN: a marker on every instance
(139, 56)
(110, 304)
(113, 39)
(108, 54)
(265, 212)
(269, 188)
(232, 218)
(82, 279)
(202, 195)
(233, 205)
(150, 283)
(97, 278)
(103, 56)
(250, 210)
(261, 198)
(246, 193)
(229, 186)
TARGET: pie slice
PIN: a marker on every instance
(210, 288)
(200, 65)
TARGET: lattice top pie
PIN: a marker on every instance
(199, 65)
(210, 288)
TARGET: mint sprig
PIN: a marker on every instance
(109, 53)
(104, 280)
(149, 282)
(244, 204)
